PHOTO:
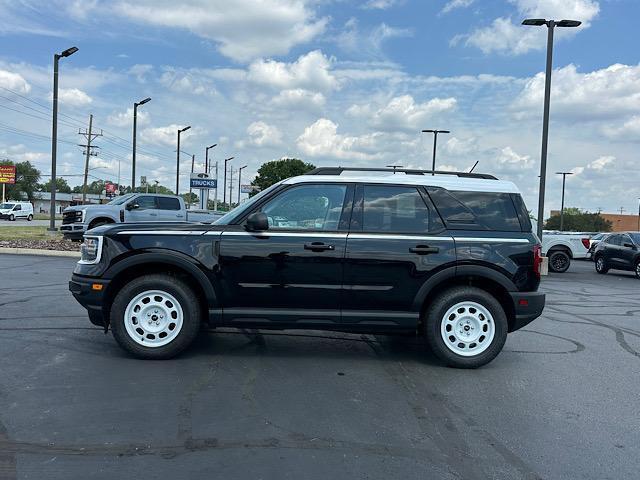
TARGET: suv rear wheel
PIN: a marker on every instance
(601, 265)
(155, 316)
(466, 327)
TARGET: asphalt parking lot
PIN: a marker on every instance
(561, 401)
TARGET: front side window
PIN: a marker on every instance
(17, 207)
(146, 202)
(306, 207)
(613, 240)
(395, 209)
(168, 203)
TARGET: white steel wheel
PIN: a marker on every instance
(153, 318)
(467, 328)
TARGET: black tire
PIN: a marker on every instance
(12, 218)
(29, 218)
(187, 301)
(99, 223)
(601, 265)
(637, 269)
(559, 261)
(434, 317)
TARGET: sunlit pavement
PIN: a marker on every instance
(561, 401)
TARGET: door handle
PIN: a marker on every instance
(318, 246)
(424, 249)
(153, 214)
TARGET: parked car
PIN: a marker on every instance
(13, 210)
(562, 247)
(451, 258)
(131, 208)
(619, 251)
(593, 243)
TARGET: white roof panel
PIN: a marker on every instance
(450, 182)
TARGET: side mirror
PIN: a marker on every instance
(257, 222)
(132, 206)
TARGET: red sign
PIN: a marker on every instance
(7, 174)
(110, 188)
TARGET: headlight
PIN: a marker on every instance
(91, 250)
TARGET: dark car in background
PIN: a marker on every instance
(619, 251)
(593, 243)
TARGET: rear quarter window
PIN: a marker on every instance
(464, 210)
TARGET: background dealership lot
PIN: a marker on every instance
(559, 402)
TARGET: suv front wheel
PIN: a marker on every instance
(155, 316)
(466, 327)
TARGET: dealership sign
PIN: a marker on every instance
(202, 180)
(249, 188)
(7, 174)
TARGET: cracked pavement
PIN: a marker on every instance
(559, 402)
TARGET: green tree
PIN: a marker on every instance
(276, 170)
(190, 198)
(577, 221)
(27, 178)
(61, 186)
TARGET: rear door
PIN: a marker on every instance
(292, 272)
(169, 209)
(628, 252)
(396, 243)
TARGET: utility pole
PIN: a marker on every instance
(638, 214)
(621, 210)
(215, 199)
(90, 136)
(193, 161)
(224, 182)
(564, 177)
(435, 144)
(230, 187)
(240, 182)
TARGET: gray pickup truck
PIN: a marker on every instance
(131, 208)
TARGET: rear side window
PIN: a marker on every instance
(168, 203)
(395, 209)
(464, 210)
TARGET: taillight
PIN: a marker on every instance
(586, 243)
(537, 259)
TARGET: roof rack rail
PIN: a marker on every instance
(408, 171)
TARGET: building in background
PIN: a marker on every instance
(42, 200)
(619, 222)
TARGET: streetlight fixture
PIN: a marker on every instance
(178, 159)
(551, 24)
(224, 183)
(206, 157)
(240, 182)
(564, 177)
(135, 126)
(435, 143)
(54, 134)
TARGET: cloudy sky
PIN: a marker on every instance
(334, 82)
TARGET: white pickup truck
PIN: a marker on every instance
(562, 247)
(131, 208)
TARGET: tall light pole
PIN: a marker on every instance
(224, 182)
(564, 178)
(240, 182)
(551, 24)
(54, 135)
(178, 159)
(639, 214)
(435, 144)
(133, 156)
(206, 157)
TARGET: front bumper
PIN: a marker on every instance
(73, 230)
(527, 307)
(86, 292)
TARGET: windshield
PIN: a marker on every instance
(230, 216)
(120, 200)
(7, 205)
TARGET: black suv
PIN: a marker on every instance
(449, 257)
(619, 251)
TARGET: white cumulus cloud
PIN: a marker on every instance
(322, 139)
(74, 97)
(14, 81)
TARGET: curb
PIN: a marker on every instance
(43, 253)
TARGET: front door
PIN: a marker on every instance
(146, 211)
(396, 242)
(292, 272)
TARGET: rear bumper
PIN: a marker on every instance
(88, 296)
(527, 307)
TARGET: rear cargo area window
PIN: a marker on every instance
(464, 210)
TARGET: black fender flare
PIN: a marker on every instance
(177, 259)
(460, 271)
